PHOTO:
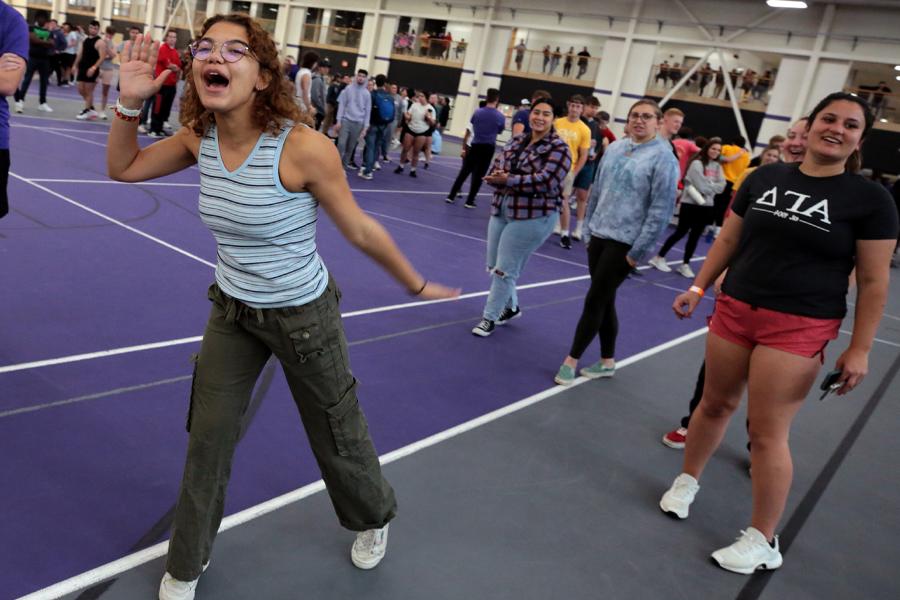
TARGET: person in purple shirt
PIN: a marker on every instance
(13, 54)
(487, 123)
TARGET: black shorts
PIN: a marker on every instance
(4, 178)
(83, 76)
(414, 134)
(66, 60)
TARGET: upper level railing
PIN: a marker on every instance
(750, 86)
(341, 37)
(886, 105)
(550, 63)
(82, 6)
(429, 47)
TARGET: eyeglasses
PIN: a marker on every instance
(230, 51)
(642, 116)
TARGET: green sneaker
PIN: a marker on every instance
(596, 371)
(565, 375)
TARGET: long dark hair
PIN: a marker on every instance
(854, 161)
(703, 154)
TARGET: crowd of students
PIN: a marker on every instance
(798, 226)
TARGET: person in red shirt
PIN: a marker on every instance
(168, 59)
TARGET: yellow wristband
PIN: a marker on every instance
(697, 290)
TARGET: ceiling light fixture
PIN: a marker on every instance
(897, 68)
(786, 3)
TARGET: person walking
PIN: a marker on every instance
(90, 55)
(770, 328)
(107, 69)
(702, 181)
(353, 114)
(527, 178)
(577, 135)
(40, 49)
(478, 149)
(169, 62)
(520, 53)
(381, 117)
(420, 121)
(631, 202)
(584, 58)
(318, 91)
(264, 173)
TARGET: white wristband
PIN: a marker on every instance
(127, 112)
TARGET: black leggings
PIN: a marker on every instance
(476, 163)
(721, 202)
(4, 180)
(608, 267)
(693, 219)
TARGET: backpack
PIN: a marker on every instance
(383, 103)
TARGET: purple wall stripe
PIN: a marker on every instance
(777, 118)
(497, 75)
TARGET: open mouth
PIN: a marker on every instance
(828, 139)
(215, 80)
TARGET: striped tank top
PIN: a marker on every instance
(265, 235)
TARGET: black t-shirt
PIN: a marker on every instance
(798, 242)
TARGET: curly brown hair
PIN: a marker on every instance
(272, 107)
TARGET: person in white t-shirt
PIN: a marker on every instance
(419, 122)
(303, 82)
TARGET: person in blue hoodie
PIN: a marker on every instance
(631, 202)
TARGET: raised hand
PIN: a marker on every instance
(138, 65)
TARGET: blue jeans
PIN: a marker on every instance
(510, 243)
(374, 142)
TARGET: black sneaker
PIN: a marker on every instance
(412, 173)
(469, 204)
(508, 315)
(484, 328)
(450, 200)
(399, 169)
(565, 242)
(426, 166)
(352, 165)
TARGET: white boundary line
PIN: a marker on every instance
(115, 221)
(193, 339)
(65, 135)
(879, 340)
(131, 561)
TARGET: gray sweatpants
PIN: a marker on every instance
(348, 138)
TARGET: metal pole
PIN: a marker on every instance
(733, 98)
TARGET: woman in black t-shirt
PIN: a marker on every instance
(795, 236)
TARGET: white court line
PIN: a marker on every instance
(115, 221)
(131, 561)
(879, 340)
(190, 340)
(175, 184)
(65, 129)
(65, 135)
(16, 117)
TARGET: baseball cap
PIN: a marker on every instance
(325, 63)
(525, 102)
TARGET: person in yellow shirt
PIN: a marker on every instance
(578, 136)
(734, 159)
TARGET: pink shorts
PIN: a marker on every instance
(748, 326)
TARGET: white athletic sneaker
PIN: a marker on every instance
(751, 552)
(677, 501)
(20, 106)
(175, 589)
(142, 129)
(685, 271)
(44, 107)
(369, 547)
(658, 262)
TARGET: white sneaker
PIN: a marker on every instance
(20, 106)
(658, 262)
(685, 271)
(557, 230)
(677, 501)
(377, 166)
(750, 553)
(103, 115)
(576, 235)
(369, 547)
(175, 589)
(142, 129)
(44, 107)
(83, 115)
(716, 231)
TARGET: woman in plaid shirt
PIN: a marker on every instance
(528, 178)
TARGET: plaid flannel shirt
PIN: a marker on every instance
(536, 177)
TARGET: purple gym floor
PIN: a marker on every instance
(85, 478)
